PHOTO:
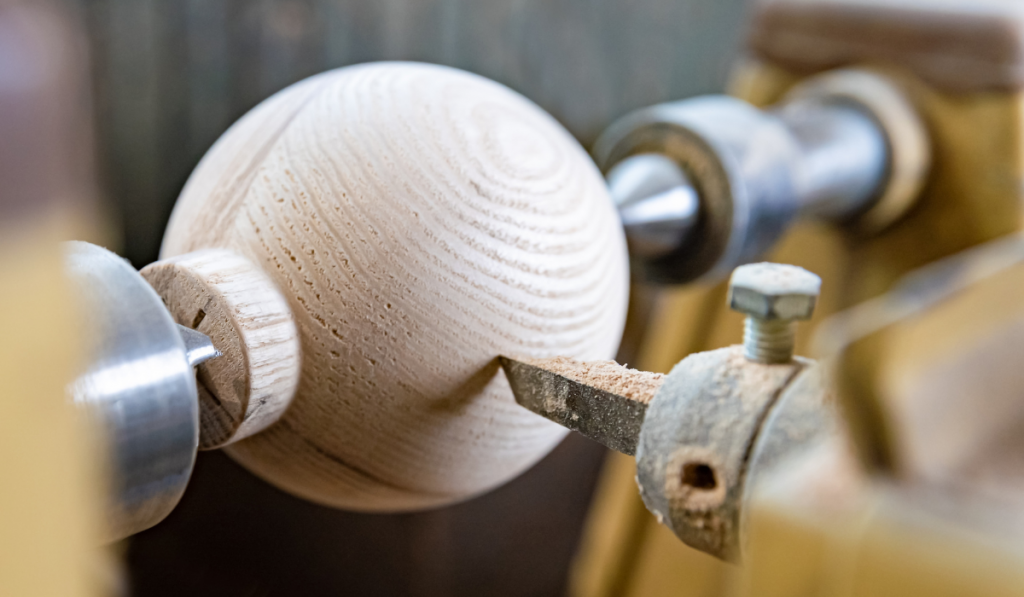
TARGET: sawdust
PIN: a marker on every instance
(605, 375)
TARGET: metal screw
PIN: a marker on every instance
(773, 296)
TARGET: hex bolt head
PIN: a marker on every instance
(772, 296)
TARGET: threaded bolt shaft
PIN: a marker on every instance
(773, 296)
(768, 340)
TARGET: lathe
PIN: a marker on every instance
(378, 278)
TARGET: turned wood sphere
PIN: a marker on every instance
(419, 221)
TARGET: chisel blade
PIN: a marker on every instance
(602, 400)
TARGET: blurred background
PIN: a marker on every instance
(169, 76)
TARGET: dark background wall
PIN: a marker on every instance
(171, 75)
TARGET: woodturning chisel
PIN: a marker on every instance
(602, 400)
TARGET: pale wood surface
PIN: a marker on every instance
(222, 295)
(421, 221)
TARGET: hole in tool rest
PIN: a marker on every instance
(699, 476)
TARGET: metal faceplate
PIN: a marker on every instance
(138, 384)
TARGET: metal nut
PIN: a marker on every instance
(774, 291)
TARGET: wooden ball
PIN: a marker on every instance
(420, 221)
